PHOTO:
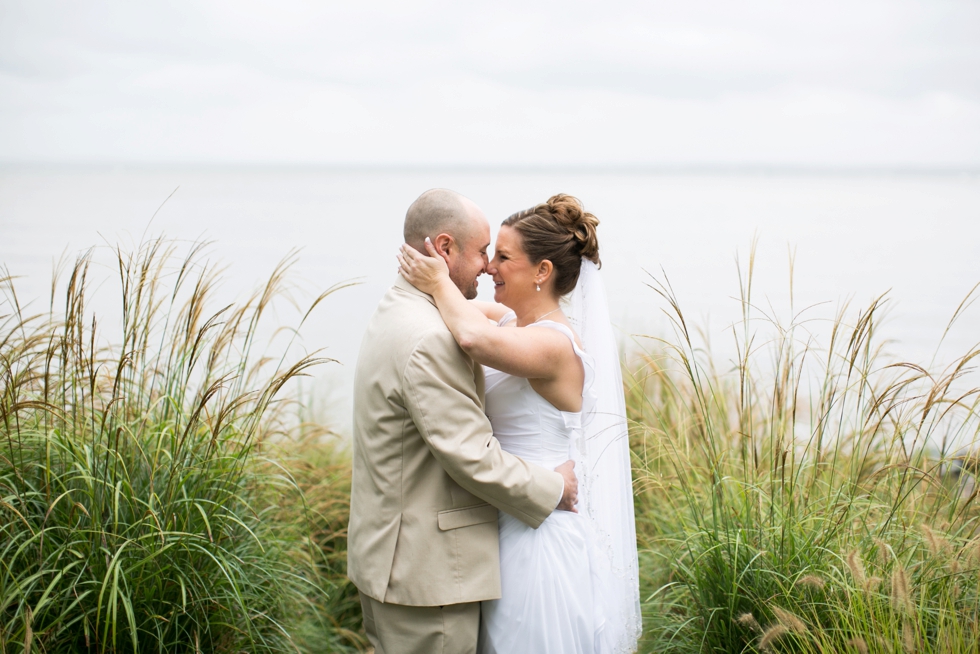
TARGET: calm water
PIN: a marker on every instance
(854, 237)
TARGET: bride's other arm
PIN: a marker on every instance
(528, 353)
(492, 310)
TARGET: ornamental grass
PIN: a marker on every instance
(810, 497)
(139, 511)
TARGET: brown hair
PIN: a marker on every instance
(561, 231)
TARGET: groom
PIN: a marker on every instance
(428, 474)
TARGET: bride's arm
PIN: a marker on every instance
(529, 353)
(492, 310)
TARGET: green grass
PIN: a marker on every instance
(320, 466)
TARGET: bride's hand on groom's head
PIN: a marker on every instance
(423, 272)
(569, 497)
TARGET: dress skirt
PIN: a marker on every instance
(548, 599)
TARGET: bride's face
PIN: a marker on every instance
(512, 272)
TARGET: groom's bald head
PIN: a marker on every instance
(459, 231)
(440, 211)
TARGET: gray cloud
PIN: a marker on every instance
(833, 83)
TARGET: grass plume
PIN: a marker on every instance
(771, 636)
(811, 581)
(748, 620)
(900, 590)
(789, 620)
(139, 509)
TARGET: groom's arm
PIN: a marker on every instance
(441, 398)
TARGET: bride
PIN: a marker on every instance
(553, 391)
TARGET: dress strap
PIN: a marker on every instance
(588, 363)
(587, 360)
(557, 326)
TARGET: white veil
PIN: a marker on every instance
(602, 463)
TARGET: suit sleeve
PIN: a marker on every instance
(441, 398)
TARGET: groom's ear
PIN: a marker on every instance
(445, 244)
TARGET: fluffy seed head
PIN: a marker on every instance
(908, 639)
(857, 568)
(813, 581)
(859, 645)
(748, 620)
(883, 551)
(771, 635)
(789, 620)
(937, 544)
(900, 590)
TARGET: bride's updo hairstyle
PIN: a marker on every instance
(562, 232)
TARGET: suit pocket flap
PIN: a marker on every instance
(469, 515)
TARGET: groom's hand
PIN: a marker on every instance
(569, 497)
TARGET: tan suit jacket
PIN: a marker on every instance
(428, 474)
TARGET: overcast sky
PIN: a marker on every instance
(722, 82)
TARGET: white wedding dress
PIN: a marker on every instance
(571, 586)
(550, 576)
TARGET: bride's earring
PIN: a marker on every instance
(538, 286)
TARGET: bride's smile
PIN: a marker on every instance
(518, 283)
